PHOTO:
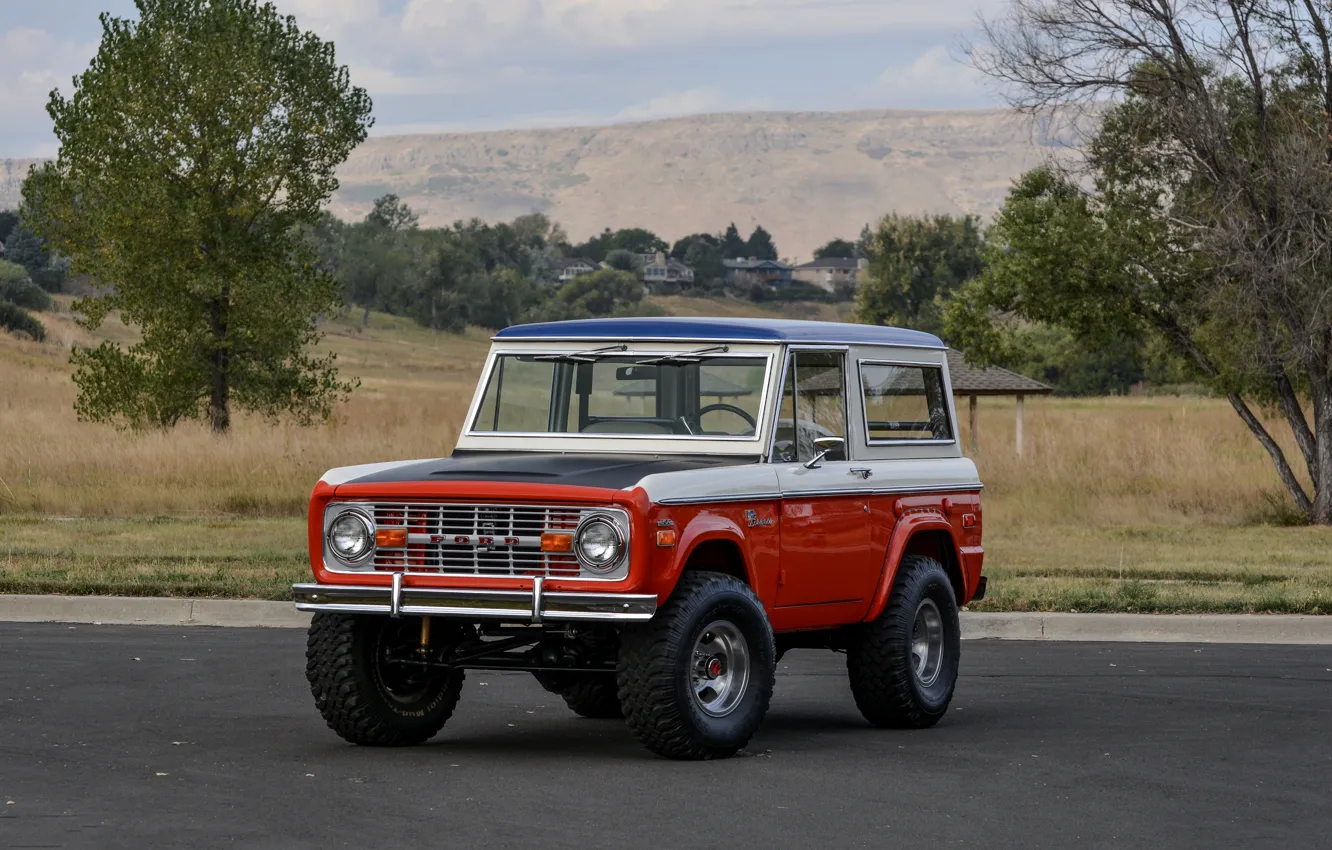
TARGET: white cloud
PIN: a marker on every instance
(463, 64)
(32, 63)
(705, 99)
(554, 26)
(936, 77)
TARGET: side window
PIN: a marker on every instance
(904, 403)
(812, 417)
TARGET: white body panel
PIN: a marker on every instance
(762, 481)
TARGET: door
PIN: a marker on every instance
(825, 516)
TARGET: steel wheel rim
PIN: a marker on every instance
(719, 668)
(927, 640)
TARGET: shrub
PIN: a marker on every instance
(16, 288)
(16, 320)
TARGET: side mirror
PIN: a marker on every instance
(826, 446)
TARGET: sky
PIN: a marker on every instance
(452, 65)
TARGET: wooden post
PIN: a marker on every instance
(1019, 425)
(975, 442)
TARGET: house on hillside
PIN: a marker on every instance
(662, 268)
(740, 272)
(568, 268)
(831, 272)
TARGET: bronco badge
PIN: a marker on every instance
(753, 518)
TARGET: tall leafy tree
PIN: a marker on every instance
(684, 243)
(760, 245)
(376, 255)
(622, 260)
(705, 258)
(605, 292)
(637, 240)
(1205, 210)
(9, 219)
(915, 264)
(836, 249)
(732, 245)
(200, 140)
(392, 213)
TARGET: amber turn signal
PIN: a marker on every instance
(390, 537)
(666, 537)
(552, 542)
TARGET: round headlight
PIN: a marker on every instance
(350, 537)
(599, 543)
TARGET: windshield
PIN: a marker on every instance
(660, 395)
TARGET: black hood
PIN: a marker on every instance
(612, 472)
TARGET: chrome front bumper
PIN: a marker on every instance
(511, 605)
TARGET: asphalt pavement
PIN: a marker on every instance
(139, 737)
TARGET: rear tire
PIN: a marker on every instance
(364, 696)
(593, 695)
(903, 665)
(696, 680)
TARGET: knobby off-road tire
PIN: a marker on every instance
(592, 695)
(893, 688)
(664, 662)
(365, 701)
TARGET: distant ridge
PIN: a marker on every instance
(805, 176)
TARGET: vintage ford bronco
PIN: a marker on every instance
(645, 514)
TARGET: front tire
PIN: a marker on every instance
(364, 691)
(903, 665)
(696, 680)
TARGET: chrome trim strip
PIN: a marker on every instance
(513, 605)
(864, 411)
(535, 340)
(727, 497)
(800, 494)
(536, 599)
(395, 598)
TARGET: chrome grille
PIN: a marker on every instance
(477, 540)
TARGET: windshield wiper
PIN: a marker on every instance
(684, 356)
(589, 356)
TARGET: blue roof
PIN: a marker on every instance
(722, 330)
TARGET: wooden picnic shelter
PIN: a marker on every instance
(974, 382)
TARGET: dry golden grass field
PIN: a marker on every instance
(1140, 503)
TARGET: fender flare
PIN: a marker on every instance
(903, 531)
(704, 529)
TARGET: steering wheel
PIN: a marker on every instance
(729, 408)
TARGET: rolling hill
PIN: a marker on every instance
(805, 176)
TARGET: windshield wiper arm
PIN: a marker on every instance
(684, 356)
(589, 356)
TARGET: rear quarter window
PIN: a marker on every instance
(904, 403)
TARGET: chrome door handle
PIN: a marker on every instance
(862, 471)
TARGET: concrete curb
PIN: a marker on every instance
(1145, 628)
(146, 611)
(1152, 628)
